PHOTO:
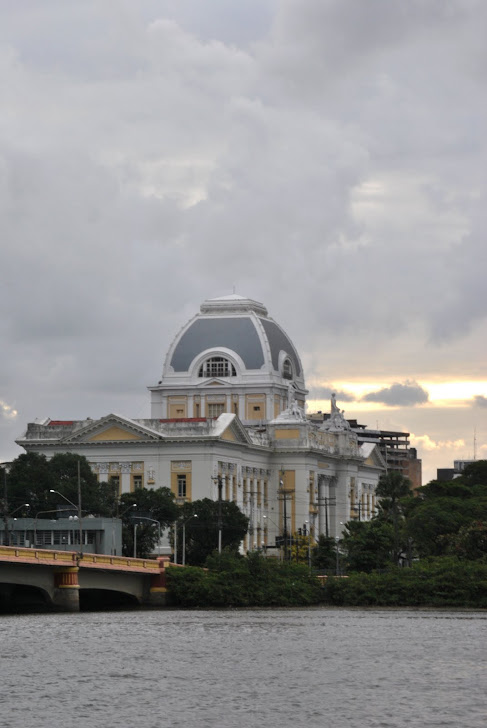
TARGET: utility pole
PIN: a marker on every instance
(219, 482)
(328, 502)
(358, 507)
(284, 496)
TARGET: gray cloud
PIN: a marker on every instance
(320, 157)
(480, 401)
(399, 395)
(326, 392)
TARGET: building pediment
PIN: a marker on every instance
(213, 383)
(228, 427)
(112, 428)
(372, 456)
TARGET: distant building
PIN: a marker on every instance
(98, 535)
(228, 416)
(455, 472)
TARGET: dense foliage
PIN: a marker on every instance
(324, 555)
(444, 510)
(32, 477)
(234, 581)
(442, 582)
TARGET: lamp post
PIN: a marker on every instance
(183, 558)
(265, 519)
(337, 541)
(52, 510)
(24, 505)
(78, 508)
(143, 518)
(308, 534)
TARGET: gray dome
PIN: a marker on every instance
(237, 324)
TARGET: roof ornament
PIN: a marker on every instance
(293, 412)
(336, 421)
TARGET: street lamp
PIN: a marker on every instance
(309, 542)
(337, 541)
(52, 510)
(134, 505)
(7, 534)
(24, 505)
(143, 518)
(78, 508)
(183, 557)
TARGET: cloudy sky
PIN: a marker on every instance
(325, 157)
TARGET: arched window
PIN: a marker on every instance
(217, 366)
(287, 369)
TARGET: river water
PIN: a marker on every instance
(346, 668)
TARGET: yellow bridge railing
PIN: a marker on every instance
(52, 557)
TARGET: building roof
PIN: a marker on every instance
(233, 324)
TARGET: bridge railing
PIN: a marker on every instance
(101, 561)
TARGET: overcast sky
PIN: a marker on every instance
(325, 157)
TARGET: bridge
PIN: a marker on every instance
(35, 579)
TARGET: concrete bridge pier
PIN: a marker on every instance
(65, 596)
(158, 588)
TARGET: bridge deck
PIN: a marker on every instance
(51, 557)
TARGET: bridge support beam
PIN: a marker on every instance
(66, 589)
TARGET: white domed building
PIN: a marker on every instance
(229, 412)
(231, 357)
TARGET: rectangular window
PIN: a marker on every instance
(181, 486)
(61, 538)
(215, 410)
(137, 481)
(115, 481)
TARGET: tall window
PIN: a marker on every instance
(287, 369)
(217, 366)
(115, 481)
(182, 485)
(137, 481)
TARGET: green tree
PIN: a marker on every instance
(475, 473)
(470, 543)
(201, 529)
(29, 481)
(138, 508)
(368, 545)
(300, 548)
(63, 468)
(393, 488)
(323, 555)
(442, 510)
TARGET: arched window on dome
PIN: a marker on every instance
(217, 366)
(287, 369)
